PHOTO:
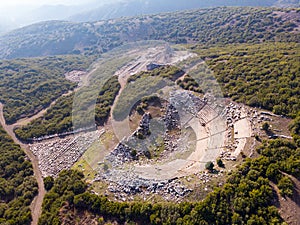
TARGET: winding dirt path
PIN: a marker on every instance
(36, 205)
(27, 120)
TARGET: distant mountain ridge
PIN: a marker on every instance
(142, 7)
(222, 25)
(109, 9)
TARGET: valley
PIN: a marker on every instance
(178, 118)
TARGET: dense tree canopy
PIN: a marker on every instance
(263, 75)
(17, 184)
(223, 25)
(29, 85)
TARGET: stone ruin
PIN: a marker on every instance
(126, 183)
(121, 154)
(171, 118)
(144, 128)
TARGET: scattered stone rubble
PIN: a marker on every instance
(171, 142)
(205, 177)
(58, 154)
(144, 127)
(233, 114)
(75, 75)
(186, 102)
(121, 154)
(125, 184)
(227, 155)
(171, 118)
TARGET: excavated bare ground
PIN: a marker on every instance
(289, 208)
(70, 216)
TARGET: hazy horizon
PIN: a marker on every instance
(18, 13)
(36, 3)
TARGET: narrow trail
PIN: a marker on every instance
(123, 76)
(27, 120)
(127, 71)
(36, 205)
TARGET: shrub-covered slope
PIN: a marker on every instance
(262, 75)
(29, 85)
(17, 184)
(205, 26)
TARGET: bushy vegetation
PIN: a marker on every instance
(47, 38)
(29, 85)
(65, 188)
(189, 83)
(58, 119)
(295, 129)
(17, 184)
(223, 25)
(263, 75)
(106, 98)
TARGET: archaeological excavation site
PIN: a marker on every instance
(168, 134)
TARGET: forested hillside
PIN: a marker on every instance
(29, 85)
(207, 26)
(139, 7)
(17, 183)
(261, 75)
(87, 11)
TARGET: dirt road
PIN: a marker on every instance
(26, 120)
(36, 206)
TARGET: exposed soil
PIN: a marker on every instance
(289, 208)
(68, 216)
